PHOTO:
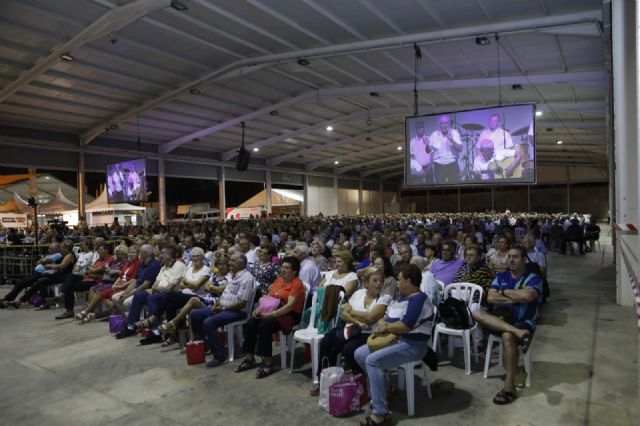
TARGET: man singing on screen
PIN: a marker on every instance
(444, 145)
(421, 164)
(118, 184)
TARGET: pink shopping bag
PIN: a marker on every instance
(343, 399)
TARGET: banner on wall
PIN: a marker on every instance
(13, 220)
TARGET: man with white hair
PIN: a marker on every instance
(309, 272)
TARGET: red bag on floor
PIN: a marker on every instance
(195, 352)
(343, 399)
(361, 381)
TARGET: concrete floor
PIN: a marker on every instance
(585, 372)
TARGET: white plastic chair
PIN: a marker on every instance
(286, 340)
(469, 293)
(406, 380)
(311, 336)
(231, 327)
(528, 358)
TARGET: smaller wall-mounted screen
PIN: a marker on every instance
(489, 146)
(127, 181)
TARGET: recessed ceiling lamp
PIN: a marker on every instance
(517, 87)
(482, 41)
(195, 91)
(178, 5)
(304, 62)
(256, 149)
(399, 148)
(67, 57)
(329, 128)
(538, 113)
(336, 162)
(559, 142)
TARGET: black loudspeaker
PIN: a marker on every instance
(243, 159)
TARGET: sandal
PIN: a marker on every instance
(368, 421)
(167, 327)
(264, 371)
(145, 323)
(168, 340)
(43, 307)
(504, 397)
(244, 366)
(525, 342)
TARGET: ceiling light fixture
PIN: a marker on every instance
(374, 94)
(304, 62)
(538, 113)
(329, 128)
(179, 6)
(274, 112)
(195, 91)
(256, 149)
(336, 162)
(482, 41)
(67, 57)
(517, 87)
(399, 148)
(113, 127)
(195, 140)
(559, 142)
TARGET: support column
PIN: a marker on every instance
(428, 201)
(380, 194)
(267, 189)
(80, 183)
(529, 198)
(222, 199)
(625, 98)
(360, 199)
(162, 192)
(459, 206)
(335, 192)
(568, 190)
(305, 181)
(492, 200)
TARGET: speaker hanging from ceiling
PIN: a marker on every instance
(243, 155)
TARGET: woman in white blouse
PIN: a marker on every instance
(343, 275)
(366, 306)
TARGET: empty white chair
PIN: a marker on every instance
(470, 294)
(311, 336)
(528, 358)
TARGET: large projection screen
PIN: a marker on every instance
(127, 181)
(488, 146)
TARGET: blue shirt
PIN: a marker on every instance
(148, 272)
(522, 312)
(446, 271)
(55, 258)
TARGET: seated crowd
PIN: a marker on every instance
(391, 270)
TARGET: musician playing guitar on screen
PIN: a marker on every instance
(508, 158)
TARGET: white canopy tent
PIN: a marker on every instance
(100, 211)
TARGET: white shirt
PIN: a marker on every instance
(429, 286)
(502, 143)
(480, 165)
(310, 274)
(443, 151)
(418, 152)
(357, 303)
(170, 276)
(251, 257)
(192, 275)
(342, 282)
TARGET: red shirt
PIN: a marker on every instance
(293, 288)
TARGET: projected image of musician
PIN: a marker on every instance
(444, 146)
(118, 182)
(421, 161)
(485, 166)
(504, 151)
